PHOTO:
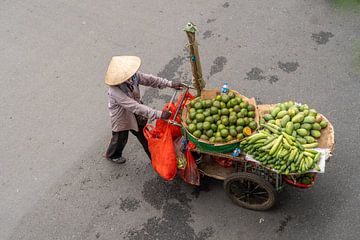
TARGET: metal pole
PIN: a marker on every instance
(172, 99)
(181, 102)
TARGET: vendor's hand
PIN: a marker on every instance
(176, 84)
(165, 114)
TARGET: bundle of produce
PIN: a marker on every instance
(278, 150)
(298, 121)
(303, 181)
(181, 161)
(224, 118)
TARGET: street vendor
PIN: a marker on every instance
(127, 112)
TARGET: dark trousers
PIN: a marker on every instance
(119, 140)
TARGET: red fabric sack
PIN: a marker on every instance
(161, 147)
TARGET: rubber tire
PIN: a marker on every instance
(254, 178)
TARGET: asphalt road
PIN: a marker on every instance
(54, 125)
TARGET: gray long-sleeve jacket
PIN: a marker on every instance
(124, 104)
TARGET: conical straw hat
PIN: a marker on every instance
(121, 68)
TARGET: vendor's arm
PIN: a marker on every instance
(153, 81)
(133, 106)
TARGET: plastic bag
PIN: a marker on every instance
(161, 124)
(190, 174)
(161, 147)
(188, 96)
(175, 130)
(180, 156)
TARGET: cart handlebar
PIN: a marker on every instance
(187, 86)
(173, 123)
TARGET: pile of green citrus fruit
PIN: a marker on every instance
(222, 119)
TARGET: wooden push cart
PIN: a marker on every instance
(247, 183)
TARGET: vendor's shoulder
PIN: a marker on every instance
(114, 90)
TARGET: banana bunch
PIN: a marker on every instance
(276, 149)
(181, 161)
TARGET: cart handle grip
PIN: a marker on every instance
(187, 86)
(173, 123)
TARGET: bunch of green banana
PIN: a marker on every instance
(181, 161)
(278, 150)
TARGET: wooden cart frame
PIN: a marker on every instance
(247, 183)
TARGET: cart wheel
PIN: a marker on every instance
(250, 191)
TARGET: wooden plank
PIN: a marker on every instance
(212, 169)
(240, 158)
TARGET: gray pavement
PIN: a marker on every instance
(54, 183)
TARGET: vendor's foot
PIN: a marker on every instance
(119, 160)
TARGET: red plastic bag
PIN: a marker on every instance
(187, 96)
(161, 147)
(175, 130)
(161, 125)
(190, 174)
